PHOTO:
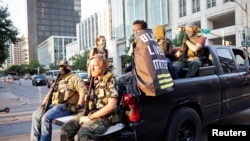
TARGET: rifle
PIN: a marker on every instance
(44, 108)
(86, 105)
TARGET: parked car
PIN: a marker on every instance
(51, 76)
(84, 76)
(26, 77)
(9, 77)
(16, 77)
(39, 80)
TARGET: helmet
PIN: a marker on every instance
(64, 63)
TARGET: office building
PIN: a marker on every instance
(25, 51)
(51, 18)
(53, 50)
(225, 20)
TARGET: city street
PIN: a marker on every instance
(15, 125)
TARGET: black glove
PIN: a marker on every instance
(78, 107)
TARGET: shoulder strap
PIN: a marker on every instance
(106, 53)
(95, 50)
(66, 79)
(107, 77)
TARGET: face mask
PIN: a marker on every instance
(64, 71)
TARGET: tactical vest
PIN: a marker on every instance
(187, 53)
(165, 45)
(59, 95)
(100, 93)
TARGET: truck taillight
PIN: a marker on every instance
(87, 84)
(132, 104)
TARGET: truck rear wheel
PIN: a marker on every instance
(184, 125)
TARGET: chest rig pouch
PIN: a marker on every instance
(58, 96)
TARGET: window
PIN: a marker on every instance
(211, 3)
(157, 10)
(182, 8)
(196, 6)
(240, 59)
(226, 60)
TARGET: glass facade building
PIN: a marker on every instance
(51, 18)
(125, 12)
(53, 50)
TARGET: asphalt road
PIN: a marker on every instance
(15, 126)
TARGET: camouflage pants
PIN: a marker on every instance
(86, 131)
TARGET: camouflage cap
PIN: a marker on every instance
(64, 63)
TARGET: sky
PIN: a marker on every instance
(18, 14)
(91, 6)
(18, 11)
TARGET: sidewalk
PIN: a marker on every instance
(7, 98)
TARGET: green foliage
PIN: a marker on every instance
(8, 34)
(31, 68)
(177, 41)
(53, 66)
(79, 61)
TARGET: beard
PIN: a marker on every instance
(64, 71)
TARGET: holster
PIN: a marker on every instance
(70, 107)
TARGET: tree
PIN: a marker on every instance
(79, 61)
(53, 66)
(36, 67)
(8, 34)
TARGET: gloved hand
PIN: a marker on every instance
(78, 107)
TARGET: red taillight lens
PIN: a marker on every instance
(132, 104)
(86, 84)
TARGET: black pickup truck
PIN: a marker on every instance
(220, 89)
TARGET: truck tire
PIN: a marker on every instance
(184, 125)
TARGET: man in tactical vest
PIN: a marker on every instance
(66, 95)
(100, 102)
(190, 52)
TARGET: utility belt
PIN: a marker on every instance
(64, 98)
(71, 107)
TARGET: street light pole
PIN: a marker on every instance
(246, 22)
(38, 70)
